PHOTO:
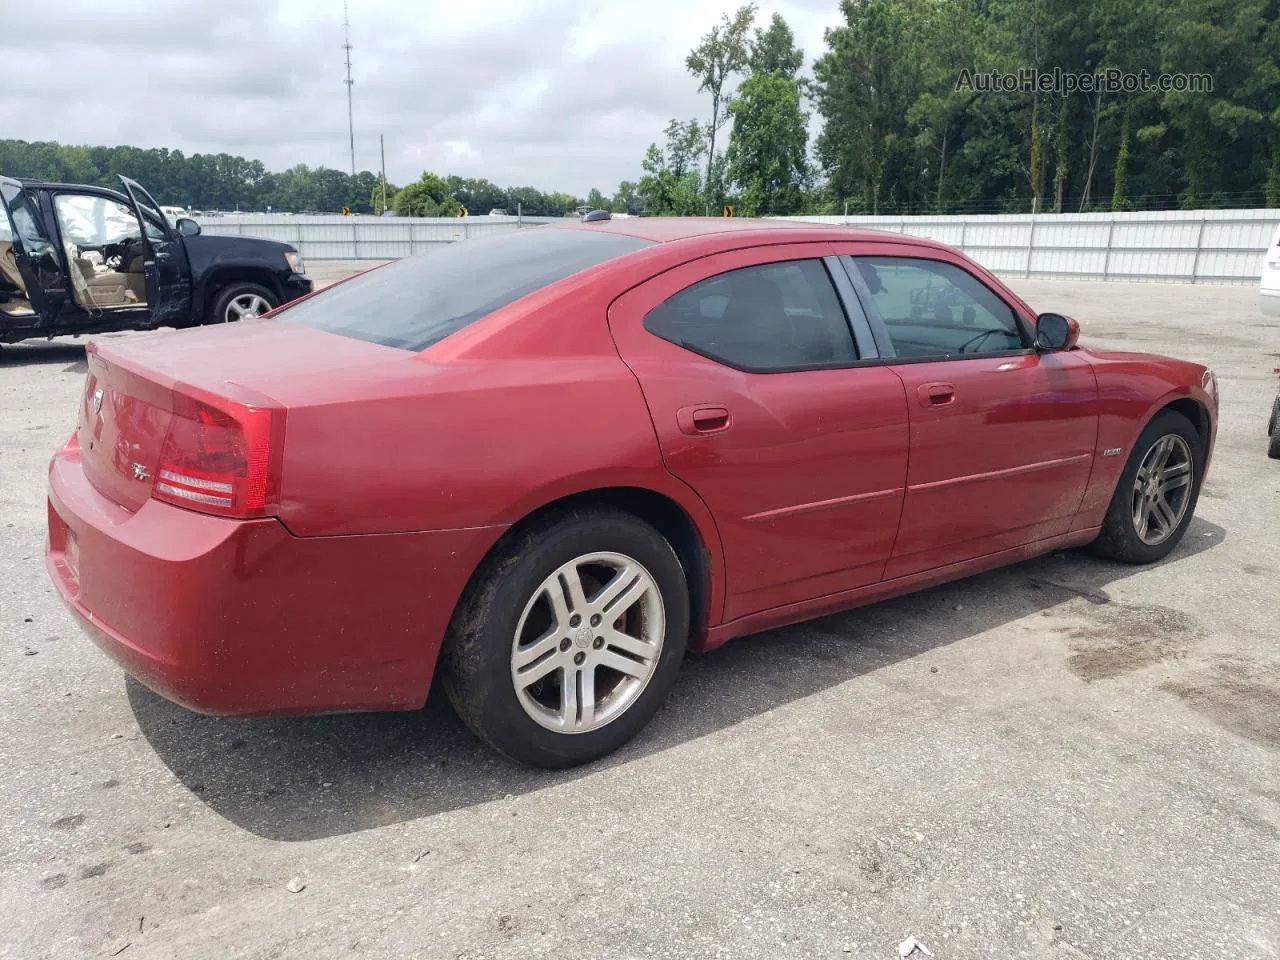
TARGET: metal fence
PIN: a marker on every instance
(1194, 246)
(364, 238)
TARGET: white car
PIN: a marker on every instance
(174, 214)
(1269, 289)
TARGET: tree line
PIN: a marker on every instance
(957, 106)
(228, 183)
(926, 106)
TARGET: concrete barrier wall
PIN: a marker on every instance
(365, 238)
(1196, 246)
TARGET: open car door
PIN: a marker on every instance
(34, 253)
(168, 273)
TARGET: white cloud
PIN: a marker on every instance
(559, 95)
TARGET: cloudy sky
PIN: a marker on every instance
(559, 95)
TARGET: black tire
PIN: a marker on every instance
(479, 645)
(1273, 431)
(220, 311)
(1119, 538)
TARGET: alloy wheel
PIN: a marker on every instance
(247, 306)
(588, 642)
(1162, 489)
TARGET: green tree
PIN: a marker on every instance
(1120, 177)
(626, 199)
(774, 50)
(865, 83)
(670, 185)
(721, 53)
(767, 145)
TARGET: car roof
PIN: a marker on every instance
(673, 229)
(51, 185)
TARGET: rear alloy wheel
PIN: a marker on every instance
(241, 301)
(570, 639)
(1157, 492)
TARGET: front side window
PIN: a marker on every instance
(936, 310)
(91, 222)
(768, 318)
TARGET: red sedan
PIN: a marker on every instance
(555, 460)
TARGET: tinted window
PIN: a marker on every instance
(778, 316)
(419, 301)
(933, 309)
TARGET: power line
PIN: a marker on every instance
(351, 126)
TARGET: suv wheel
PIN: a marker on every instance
(570, 639)
(241, 301)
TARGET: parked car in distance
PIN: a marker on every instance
(174, 214)
(1273, 426)
(1269, 285)
(552, 461)
(78, 259)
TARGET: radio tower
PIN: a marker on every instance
(351, 127)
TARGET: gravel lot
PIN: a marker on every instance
(1066, 758)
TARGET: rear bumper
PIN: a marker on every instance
(242, 618)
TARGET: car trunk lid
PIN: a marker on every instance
(146, 396)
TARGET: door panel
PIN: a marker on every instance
(168, 272)
(803, 470)
(34, 251)
(1003, 461)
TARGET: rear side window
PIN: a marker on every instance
(765, 319)
(418, 301)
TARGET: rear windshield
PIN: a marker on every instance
(419, 301)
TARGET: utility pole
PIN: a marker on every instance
(382, 146)
(351, 126)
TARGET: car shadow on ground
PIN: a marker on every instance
(35, 353)
(308, 778)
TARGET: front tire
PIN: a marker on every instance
(241, 301)
(1156, 495)
(569, 639)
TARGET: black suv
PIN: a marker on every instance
(78, 259)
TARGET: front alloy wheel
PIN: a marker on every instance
(1162, 489)
(247, 306)
(1155, 496)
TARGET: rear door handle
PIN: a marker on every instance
(936, 394)
(702, 419)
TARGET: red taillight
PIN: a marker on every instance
(221, 456)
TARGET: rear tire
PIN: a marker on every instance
(1149, 516)
(1273, 431)
(549, 677)
(241, 301)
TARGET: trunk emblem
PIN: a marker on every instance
(140, 472)
(97, 400)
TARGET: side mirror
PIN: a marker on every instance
(188, 227)
(1054, 332)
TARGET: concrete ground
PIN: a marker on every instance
(1066, 758)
